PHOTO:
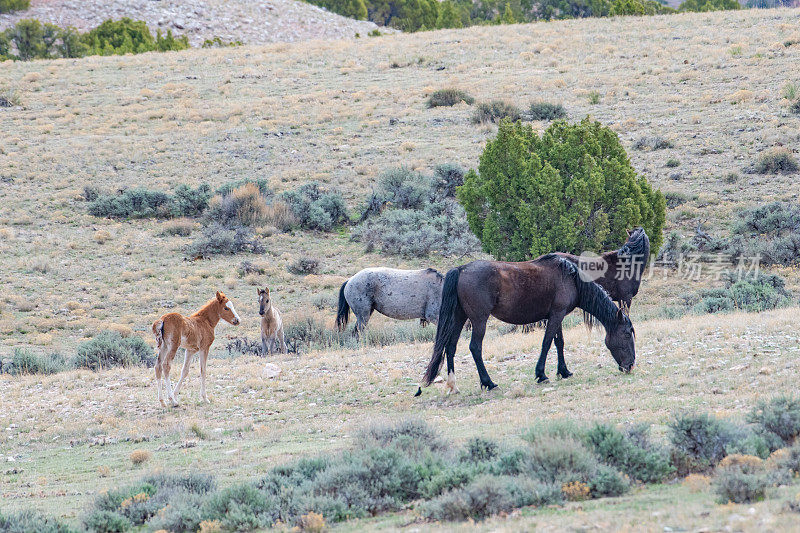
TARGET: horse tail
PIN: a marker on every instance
(343, 316)
(446, 328)
(158, 331)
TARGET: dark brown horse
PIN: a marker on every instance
(623, 268)
(547, 288)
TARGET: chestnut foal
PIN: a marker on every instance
(195, 334)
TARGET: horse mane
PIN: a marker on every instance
(637, 245)
(206, 307)
(592, 298)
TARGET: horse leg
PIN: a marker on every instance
(170, 392)
(187, 360)
(553, 324)
(264, 344)
(558, 340)
(476, 347)
(203, 359)
(450, 350)
(158, 381)
(283, 341)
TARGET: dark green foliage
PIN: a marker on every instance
(446, 179)
(408, 435)
(107, 522)
(479, 450)
(777, 160)
(34, 40)
(217, 239)
(110, 349)
(316, 208)
(449, 97)
(708, 5)
(750, 293)
(572, 189)
(638, 459)
(8, 6)
(561, 460)
(145, 203)
(672, 163)
(699, 441)
(546, 111)
(495, 111)
(354, 9)
(29, 521)
(742, 483)
(652, 143)
(404, 188)
(216, 42)
(25, 362)
(127, 36)
(238, 508)
(779, 416)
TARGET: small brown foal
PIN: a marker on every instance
(271, 323)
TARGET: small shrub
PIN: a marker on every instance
(315, 208)
(449, 97)
(741, 482)
(110, 349)
(217, 239)
(280, 215)
(487, 496)
(780, 416)
(404, 188)
(479, 450)
(546, 111)
(753, 294)
(9, 97)
(411, 433)
(107, 522)
(245, 205)
(31, 521)
(672, 163)
(127, 36)
(304, 265)
(446, 179)
(262, 184)
(652, 143)
(794, 107)
(145, 203)
(140, 456)
(312, 522)
(495, 111)
(238, 508)
(639, 460)
(608, 482)
(576, 491)
(699, 440)
(561, 460)
(776, 160)
(25, 362)
(696, 482)
(181, 227)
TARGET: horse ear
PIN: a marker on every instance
(620, 315)
(629, 232)
(266, 291)
(220, 297)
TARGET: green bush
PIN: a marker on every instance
(495, 111)
(561, 460)
(572, 189)
(742, 483)
(449, 97)
(140, 202)
(487, 496)
(304, 265)
(8, 6)
(699, 441)
(315, 208)
(262, 184)
(25, 362)
(110, 349)
(776, 160)
(217, 239)
(750, 293)
(404, 188)
(608, 482)
(708, 5)
(546, 111)
(479, 450)
(652, 143)
(446, 179)
(779, 416)
(770, 231)
(107, 522)
(127, 36)
(639, 460)
(29, 521)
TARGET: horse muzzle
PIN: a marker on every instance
(235, 322)
(626, 370)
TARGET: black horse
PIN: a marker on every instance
(547, 288)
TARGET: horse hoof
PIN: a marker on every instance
(419, 392)
(543, 379)
(491, 385)
(565, 375)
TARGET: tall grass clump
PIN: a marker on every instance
(449, 97)
(244, 205)
(776, 160)
(26, 362)
(110, 349)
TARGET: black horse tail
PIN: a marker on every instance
(445, 329)
(343, 316)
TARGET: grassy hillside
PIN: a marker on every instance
(341, 113)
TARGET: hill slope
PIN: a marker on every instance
(231, 20)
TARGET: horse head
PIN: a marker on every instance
(620, 340)
(264, 303)
(226, 310)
